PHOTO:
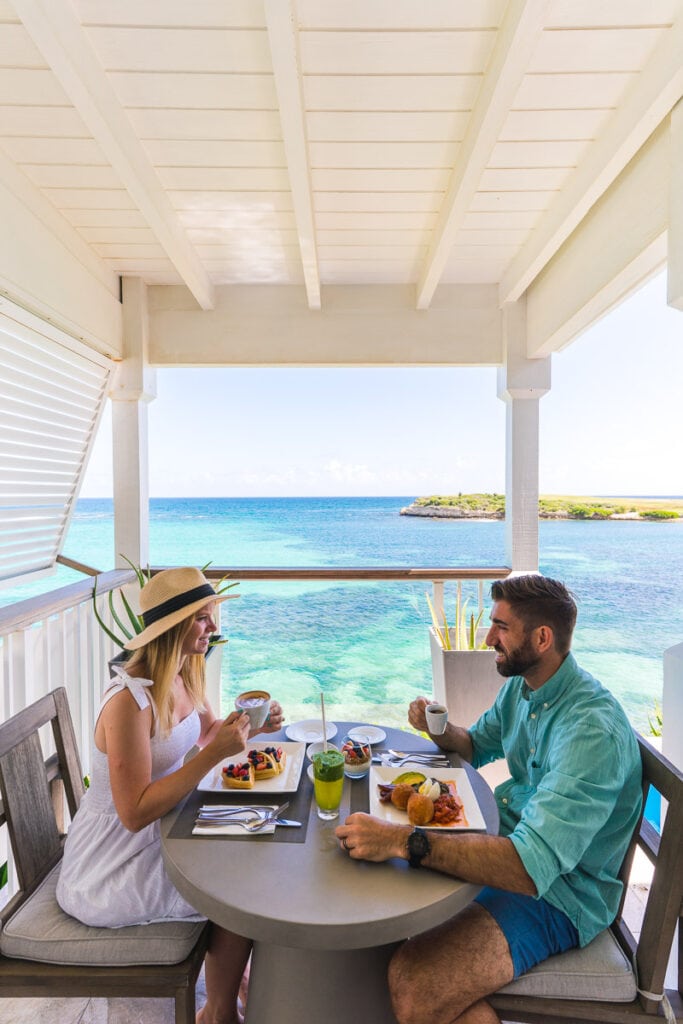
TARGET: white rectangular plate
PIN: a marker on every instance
(383, 774)
(286, 782)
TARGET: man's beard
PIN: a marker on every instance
(519, 661)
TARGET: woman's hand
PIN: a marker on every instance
(231, 735)
(273, 721)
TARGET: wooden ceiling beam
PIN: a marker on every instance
(619, 245)
(56, 31)
(652, 95)
(263, 325)
(516, 40)
(282, 37)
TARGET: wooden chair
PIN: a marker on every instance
(44, 952)
(578, 974)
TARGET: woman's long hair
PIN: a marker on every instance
(159, 660)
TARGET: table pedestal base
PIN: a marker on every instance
(304, 986)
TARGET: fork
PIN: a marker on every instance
(220, 811)
(396, 759)
(248, 826)
(233, 812)
(209, 820)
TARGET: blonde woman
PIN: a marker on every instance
(151, 716)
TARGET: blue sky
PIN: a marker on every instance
(611, 424)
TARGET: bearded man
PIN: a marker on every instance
(567, 814)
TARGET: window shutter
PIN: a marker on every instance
(52, 392)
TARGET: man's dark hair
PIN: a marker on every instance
(540, 601)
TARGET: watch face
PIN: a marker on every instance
(418, 847)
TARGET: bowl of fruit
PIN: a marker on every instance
(357, 751)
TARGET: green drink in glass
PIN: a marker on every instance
(328, 782)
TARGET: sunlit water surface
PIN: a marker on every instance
(366, 645)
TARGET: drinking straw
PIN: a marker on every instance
(322, 709)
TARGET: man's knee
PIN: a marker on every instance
(402, 985)
(436, 976)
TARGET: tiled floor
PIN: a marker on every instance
(160, 1011)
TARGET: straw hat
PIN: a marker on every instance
(168, 598)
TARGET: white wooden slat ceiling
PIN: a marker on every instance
(324, 142)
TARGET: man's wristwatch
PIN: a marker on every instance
(418, 847)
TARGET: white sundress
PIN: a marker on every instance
(111, 877)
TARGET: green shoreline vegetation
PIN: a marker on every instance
(552, 506)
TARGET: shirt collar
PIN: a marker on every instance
(554, 687)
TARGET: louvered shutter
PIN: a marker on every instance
(52, 392)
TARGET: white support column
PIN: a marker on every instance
(522, 383)
(134, 387)
(672, 698)
(675, 225)
(672, 705)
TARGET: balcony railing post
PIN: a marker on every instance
(672, 705)
(437, 598)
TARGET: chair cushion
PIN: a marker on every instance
(600, 971)
(40, 930)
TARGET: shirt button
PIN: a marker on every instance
(545, 705)
(533, 750)
(505, 799)
(533, 714)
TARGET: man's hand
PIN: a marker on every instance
(454, 738)
(366, 838)
(416, 713)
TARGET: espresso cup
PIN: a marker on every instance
(256, 703)
(437, 716)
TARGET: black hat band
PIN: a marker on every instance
(174, 604)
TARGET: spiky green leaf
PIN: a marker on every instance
(103, 625)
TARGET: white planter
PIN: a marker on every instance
(465, 681)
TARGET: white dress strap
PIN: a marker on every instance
(137, 687)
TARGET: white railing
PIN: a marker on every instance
(56, 640)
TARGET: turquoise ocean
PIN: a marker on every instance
(365, 645)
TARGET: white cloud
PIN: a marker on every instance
(348, 472)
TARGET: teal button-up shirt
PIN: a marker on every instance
(574, 798)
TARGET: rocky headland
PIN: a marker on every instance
(492, 506)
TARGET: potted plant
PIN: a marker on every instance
(464, 673)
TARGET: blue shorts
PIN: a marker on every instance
(533, 928)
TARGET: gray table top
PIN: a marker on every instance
(308, 893)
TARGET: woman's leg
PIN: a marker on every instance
(226, 959)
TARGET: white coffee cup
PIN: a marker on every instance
(256, 703)
(437, 716)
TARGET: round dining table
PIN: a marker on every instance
(324, 925)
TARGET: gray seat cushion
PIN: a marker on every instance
(599, 971)
(40, 930)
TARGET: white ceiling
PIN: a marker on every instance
(329, 142)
